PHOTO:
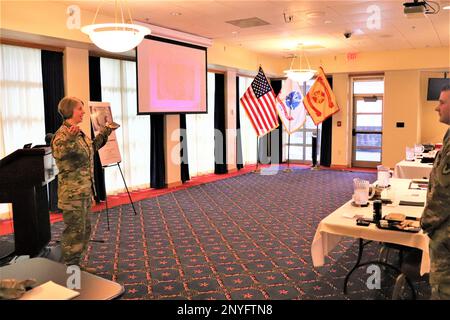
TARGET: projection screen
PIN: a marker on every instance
(171, 77)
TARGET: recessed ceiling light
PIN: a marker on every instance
(315, 14)
(175, 13)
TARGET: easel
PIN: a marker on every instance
(129, 196)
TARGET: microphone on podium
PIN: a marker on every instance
(48, 138)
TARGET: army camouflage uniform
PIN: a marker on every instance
(436, 222)
(74, 155)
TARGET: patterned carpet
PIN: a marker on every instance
(245, 237)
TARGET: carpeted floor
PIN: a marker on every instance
(245, 237)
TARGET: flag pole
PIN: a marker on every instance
(257, 170)
(288, 169)
(316, 166)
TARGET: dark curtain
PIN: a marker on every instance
(276, 86)
(184, 150)
(239, 158)
(325, 144)
(53, 89)
(220, 147)
(157, 159)
(95, 94)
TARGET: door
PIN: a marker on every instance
(367, 122)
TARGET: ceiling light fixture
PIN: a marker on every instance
(446, 8)
(116, 37)
(300, 75)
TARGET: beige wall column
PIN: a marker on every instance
(341, 138)
(172, 150)
(432, 131)
(230, 119)
(401, 104)
(76, 80)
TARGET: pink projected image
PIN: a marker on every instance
(171, 78)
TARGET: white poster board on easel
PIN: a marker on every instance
(100, 115)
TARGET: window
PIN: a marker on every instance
(200, 136)
(248, 134)
(22, 98)
(119, 89)
(301, 141)
(22, 103)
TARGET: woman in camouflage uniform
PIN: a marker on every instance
(74, 155)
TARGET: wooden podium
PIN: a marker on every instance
(24, 175)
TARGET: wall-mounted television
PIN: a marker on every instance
(171, 77)
(434, 87)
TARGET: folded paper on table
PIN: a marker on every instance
(49, 291)
(411, 203)
(416, 198)
(348, 214)
(419, 184)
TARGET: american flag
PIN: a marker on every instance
(259, 104)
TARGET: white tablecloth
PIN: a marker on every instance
(412, 170)
(335, 226)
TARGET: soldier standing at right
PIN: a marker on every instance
(436, 215)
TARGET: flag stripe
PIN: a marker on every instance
(254, 111)
(272, 100)
(264, 123)
(271, 112)
(250, 115)
(251, 112)
(267, 112)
